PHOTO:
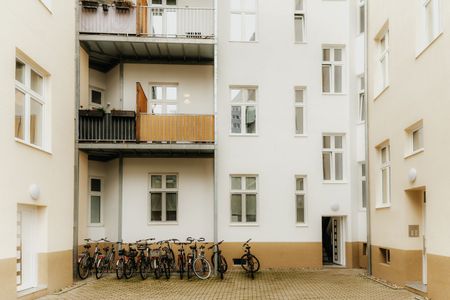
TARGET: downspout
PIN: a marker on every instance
(366, 89)
(120, 217)
(76, 151)
(121, 84)
(216, 209)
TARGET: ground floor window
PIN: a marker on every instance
(243, 198)
(300, 199)
(163, 197)
(95, 201)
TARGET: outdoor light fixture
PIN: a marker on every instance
(186, 98)
(335, 207)
(35, 191)
(412, 175)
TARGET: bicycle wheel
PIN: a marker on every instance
(99, 268)
(171, 257)
(84, 266)
(202, 268)
(189, 268)
(245, 262)
(156, 268)
(119, 268)
(166, 267)
(144, 268)
(181, 266)
(223, 262)
(128, 269)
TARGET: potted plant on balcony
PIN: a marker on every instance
(90, 4)
(123, 5)
(123, 113)
(92, 113)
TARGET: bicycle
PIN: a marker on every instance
(120, 261)
(86, 262)
(217, 256)
(144, 258)
(171, 255)
(164, 259)
(155, 260)
(181, 258)
(249, 262)
(105, 261)
(201, 267)
(130, 264)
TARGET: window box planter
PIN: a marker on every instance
(123, 6)
(123, 113)
(93, 113)
(90, 4)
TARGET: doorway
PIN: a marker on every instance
(332, 241)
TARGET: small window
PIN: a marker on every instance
(243, 199)
(361, 16)
(332, 70)
(95, 201)
(385, 255)
(333, 157)
(414, 135)
(364, 249)
(431, 23)
(300, 199)
(361, 100)
(164, 99)
(243, 110)
(417, 139)
(299, 21)
(243, 20)
(300, 111)
(96, 97)
(363, 185)
(385, 176)
(382, 60)
(163, 198)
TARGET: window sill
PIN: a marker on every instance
(300, 225)
(301, 135)
(385, 264)
(96, 225)
(32, 146)
(425, 48)
(243, 42)
(244, 134)
(362, 209)
(334, 182)
(334, 94)
(162, 223)
(361, 123)
(381, 206)
(414, 153)
(301, 43)
(381, 92)
(244, 225)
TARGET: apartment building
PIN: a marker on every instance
(202, 118)
(408, 69)
(36, 116)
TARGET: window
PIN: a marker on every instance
(243, 198)
(364, 249)
(96, 97)
(299, 111)
(385, 255)
(415, 138)
(332, 70)
(243, 110)
(300, 199)
(29, 104)
(163, 197)
(361, 101)
(361, 16)
(363, 185)
(95, 201)
(163, 99)
(385, 170)
(431, 20)
(333, 157)
(383, 61)
(243, 20)
(299, 21)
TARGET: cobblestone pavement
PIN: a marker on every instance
(268, 284)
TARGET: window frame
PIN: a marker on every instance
(363, 180)
(332, 63)
(102, 99)
(242, 12)
(164, 102)
(163, 191)
(305, 200)
(30, 95)
(243, 105)
(302, 105)
(361, 4)
(333, 151)
(383, 54)
(301, 14)
(362, 101)
(381, 203)
(244, 192)
(410, 139)
(428, 35)
(94, 193)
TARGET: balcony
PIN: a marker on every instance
(147, 33)
(105, 136)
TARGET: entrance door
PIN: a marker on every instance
(26, 247)
(424, 240)
(336, 239)
(332, 240)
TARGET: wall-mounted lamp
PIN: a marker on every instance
(35, 191)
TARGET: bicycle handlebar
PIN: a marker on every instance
(246, 243)
(216, 244)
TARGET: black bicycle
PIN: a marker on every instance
(145, 266)
(181, 260)
(105, 262)
(130, 265)
(217, 256)
(249, 262)
(86, 262)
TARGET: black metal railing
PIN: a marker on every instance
(97, 126)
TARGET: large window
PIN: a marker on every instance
(361, 100)
(243, 110)
(300, 199)
(163, 99)
(299, 21)
(300, 110)
(163, 197)
(385, 174)
(383, 61)
(332, 70)
(243, 20)
(95, 201)
(333, 157)
(431, 20)
(29, 104)
(243, 198)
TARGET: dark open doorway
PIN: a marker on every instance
(327, 244)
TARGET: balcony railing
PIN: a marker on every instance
(150, 21)
(95, 126)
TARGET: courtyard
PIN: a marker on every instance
(268, 284)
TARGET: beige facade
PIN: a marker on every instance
(408, 149)
(37, 88)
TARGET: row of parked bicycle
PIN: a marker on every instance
(158, 258)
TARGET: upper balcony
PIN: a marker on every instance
(155, 30)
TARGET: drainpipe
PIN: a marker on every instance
(76, 151)
(216, 228)
(121, 84)
(366, 89)
(119, 221)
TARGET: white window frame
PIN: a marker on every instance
(333, 64)
(426, 34)
(363, 179)
(301, 14)
(244, 192)
(362, 101)
(361, 4)
(300, 104)
(25, 88)
(384, 166)
(94, 193)
(382, 55)
(305, 201)
(410, 151)
(163, 190)
(102, 92)
(164, 101)
(244, 104)
(243, 12)
(333, 151)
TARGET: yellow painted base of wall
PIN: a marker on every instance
(354, 255)
(405, 265)
(438, 277)
(8, 278)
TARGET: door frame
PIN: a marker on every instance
(32, 237)
(341, 238)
